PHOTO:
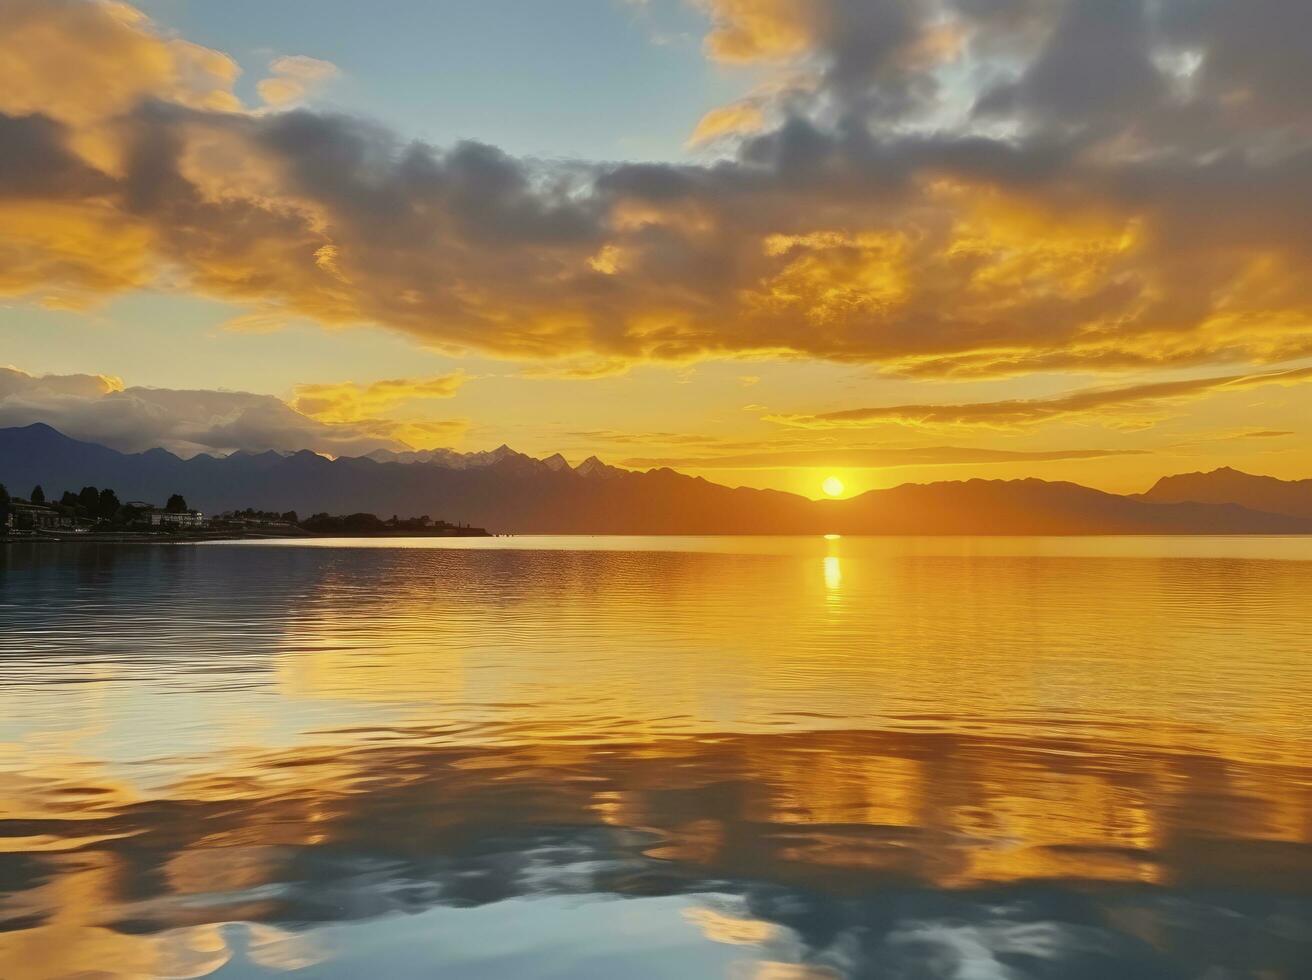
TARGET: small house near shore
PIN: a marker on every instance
(37, 517)
(175, 518)
(148, 513)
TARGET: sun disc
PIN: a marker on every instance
(832, 486)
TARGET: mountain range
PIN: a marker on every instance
(510, 492)
(1266, 493)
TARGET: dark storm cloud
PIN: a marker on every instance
(36, 163)
(1096, 63)
(1254, 56)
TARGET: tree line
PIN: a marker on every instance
(88, 504)
(324, 523)
(364, 523)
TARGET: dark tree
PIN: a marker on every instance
(347, 524)
(37, 496)
(89, 500)
(69, 499)
(177, 504)
(4, 504)
(290, 517)
(108, 504)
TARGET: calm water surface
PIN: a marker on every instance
(781, 759)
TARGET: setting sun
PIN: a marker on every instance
(832, 486)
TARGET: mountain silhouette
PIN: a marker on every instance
(1266, 493)
(507, 491)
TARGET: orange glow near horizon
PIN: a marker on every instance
(967, 327)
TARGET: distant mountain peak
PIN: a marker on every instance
(593, 467)
(47, 433)
(1227, 485)
(447, 458)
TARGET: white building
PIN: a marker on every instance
(181, 518)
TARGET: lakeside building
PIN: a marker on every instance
(148, 513)
(254, 519)
(175, 518)
(37, 517)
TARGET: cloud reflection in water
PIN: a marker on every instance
(920, 763)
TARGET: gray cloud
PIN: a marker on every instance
(1096, 63)
(1253, 58)
(100, 409)
(36, 162)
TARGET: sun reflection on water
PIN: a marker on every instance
(833, 573)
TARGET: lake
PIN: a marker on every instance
(769, 758)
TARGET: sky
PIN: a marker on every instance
(760, 241)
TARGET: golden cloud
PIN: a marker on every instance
(81, 61)
(293, 78)
(761, 30)
(350, 402)
(735, 119)
(1011, 413)
(931, 251)
(75, 251)
(409, 434)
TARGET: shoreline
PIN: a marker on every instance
(479, 533)
(129, 537)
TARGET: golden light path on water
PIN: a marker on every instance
(810, 755)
